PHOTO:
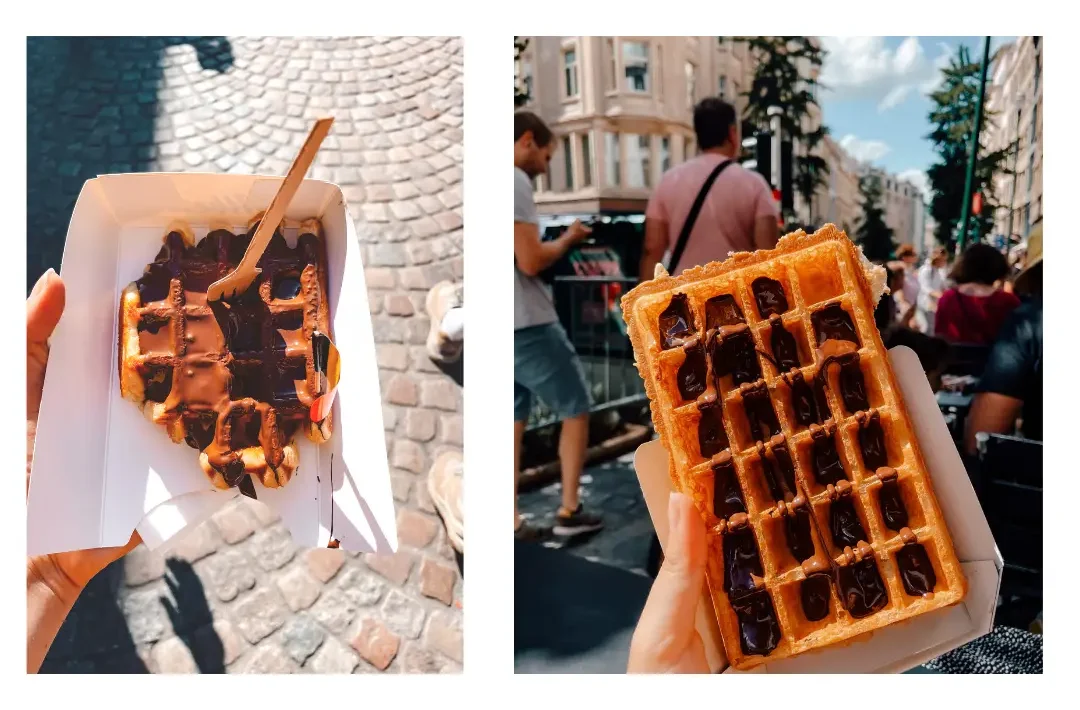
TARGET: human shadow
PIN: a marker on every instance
(191, 617)
(91, 106)
(95, 637)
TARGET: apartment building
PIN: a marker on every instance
(622, 111)
(840, 200)
(1014, 99)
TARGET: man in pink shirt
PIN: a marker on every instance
(739, 212)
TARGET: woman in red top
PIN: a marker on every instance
(972, 311)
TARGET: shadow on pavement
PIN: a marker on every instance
(191, 617)
(91, 103)
(572, 615)
(95, 637)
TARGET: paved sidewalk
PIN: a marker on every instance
(611, 490)
(239, 596)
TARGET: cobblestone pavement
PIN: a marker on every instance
(238, 596)
(611, 490)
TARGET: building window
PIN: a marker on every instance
(568, 162)
(636, 66)
(570, 77)
(611, 156)
(691, 79)
(665, 154)
(660, 72)
(1031, 169)
(721, 90)
(612, 82)
(586, 160)
(1034, 122)
(637, 160)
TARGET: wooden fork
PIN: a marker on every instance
(239, 279)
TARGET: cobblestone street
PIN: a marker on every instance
(238, 595)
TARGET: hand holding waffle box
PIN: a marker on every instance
(142, 362)
(783, 420)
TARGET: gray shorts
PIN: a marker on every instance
(546, 365)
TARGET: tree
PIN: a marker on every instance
(784, 75)
(521, 91)
(953, 118)
(873, 235)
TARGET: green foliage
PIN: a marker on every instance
(873, 235)
(521, 97)
(953, 118)
(780, 81)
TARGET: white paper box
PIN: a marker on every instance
(905, 645)
(101, 469)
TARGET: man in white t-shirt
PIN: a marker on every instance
(932, 278)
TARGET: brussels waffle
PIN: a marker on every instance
(772, 392)
(234, 378)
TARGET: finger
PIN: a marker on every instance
(43, 310)
(667, 622)
(44, 307)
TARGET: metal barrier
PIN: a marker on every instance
(589, 310)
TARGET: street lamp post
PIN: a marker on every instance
(774, 113)
(973, 151)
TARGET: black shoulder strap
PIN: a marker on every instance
(688, 226)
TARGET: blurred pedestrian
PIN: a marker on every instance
(1011, 386)
(708, 206)
(545, 362)
(932, 277)
(972, 311)
(894, 310)
(909, 260)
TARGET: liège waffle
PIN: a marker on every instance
(773, 394)
(234, 378)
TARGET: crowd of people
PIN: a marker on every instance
(984, 311)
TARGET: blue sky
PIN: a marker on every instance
(877, 105)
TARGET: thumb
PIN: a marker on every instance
(43, 311)
(667, 622)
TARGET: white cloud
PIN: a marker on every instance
(864, 68)
(864, 151)
(919, 179)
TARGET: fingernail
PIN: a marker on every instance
(42, 281)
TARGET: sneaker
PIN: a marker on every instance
(441, 298)
(445, 482)
(577, 522)
(531, 533)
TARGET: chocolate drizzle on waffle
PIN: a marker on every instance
(796, 448)
(234, 378)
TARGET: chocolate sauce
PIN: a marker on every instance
(834, 323)
(760, 414)
(722, 310)
(797, 532)
(676, 322)
(785, 351)
(803, 401)
(844, 523)
(741, 560)
(693, 372)
(861, 589)
(727, 495)
(852, 385)
(712, 439)
(735, 355)
(157, 382)
(287, 288)
(770, 296)
(815, 592)
(872, 442)
(827, 466)
(892, 505)
(200, 429)
(916, 571)
(759, 630)
(155, 335)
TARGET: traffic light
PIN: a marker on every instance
(757, 154)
